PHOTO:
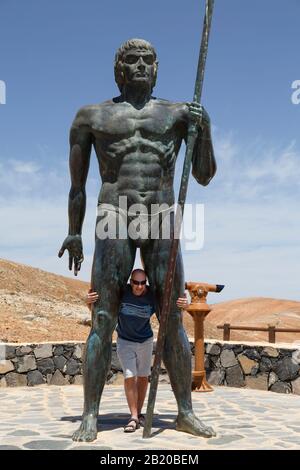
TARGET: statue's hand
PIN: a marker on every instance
(73, 243)
(198, 115)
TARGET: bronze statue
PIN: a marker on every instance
(136, 138)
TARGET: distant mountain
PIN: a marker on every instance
(39, 306)
(258, 311)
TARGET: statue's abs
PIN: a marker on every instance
(139, 168)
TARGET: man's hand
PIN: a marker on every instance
(91, 298)
(182, 302)
(198, 114)
(73, 243)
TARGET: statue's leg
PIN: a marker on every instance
(113, 262)
(177, 353)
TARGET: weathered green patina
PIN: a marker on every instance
(136, 138)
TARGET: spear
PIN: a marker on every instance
(191, 139)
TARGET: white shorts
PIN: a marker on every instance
(135, 358)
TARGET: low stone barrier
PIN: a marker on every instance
(259, 366)
(35, 364)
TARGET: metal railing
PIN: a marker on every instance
(271, 329)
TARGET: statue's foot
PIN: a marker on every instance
(87, 431)
(188, 422)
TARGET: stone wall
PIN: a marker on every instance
(35, 364)
(51, 363)
(259, 366)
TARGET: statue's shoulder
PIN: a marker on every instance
(162, 102)
(85, 116)
(172, 106)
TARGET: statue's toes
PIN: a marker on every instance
(209, 432)
(76, 436)
(90, 436)
(84, 436)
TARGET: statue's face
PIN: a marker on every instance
(139, 67)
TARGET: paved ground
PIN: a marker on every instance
(44, 417)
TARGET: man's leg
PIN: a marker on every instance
(127, 355)
(135, 391)
(131, 392)
(177, 353)
(113, 262)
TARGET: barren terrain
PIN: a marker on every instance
(38, 306)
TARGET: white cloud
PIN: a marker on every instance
(252, 220)
(253, 249)
(34, 215)
(19, 179)
(33, 232)
(255, 170)
(20, 166)
(279, 166)
(261, 272)
(224, 147)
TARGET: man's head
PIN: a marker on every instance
(138, 282)
(135, 62)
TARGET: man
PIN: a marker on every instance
(135, 342)
(136, 138)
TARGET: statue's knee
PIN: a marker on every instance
(104, 321)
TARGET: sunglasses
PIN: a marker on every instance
(138, 283)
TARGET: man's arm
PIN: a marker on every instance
(80, 151)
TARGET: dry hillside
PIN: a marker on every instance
(259, 311)
(39, 306)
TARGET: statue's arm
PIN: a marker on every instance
(80, 151)
(204, 164)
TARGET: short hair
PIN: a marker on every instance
(125, 47)
(138, 271)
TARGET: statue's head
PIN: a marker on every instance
(135, 62)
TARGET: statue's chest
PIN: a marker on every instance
(126, 124)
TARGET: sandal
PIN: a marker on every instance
(141, 420)
(132, 425)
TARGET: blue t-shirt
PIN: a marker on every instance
(134, 316)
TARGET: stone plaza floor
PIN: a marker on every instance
(44, 417)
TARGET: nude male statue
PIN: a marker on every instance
(136, 138)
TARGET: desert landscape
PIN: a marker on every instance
(37, 306)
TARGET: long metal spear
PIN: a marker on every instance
(191, 139)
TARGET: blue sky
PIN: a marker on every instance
(57, 56)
